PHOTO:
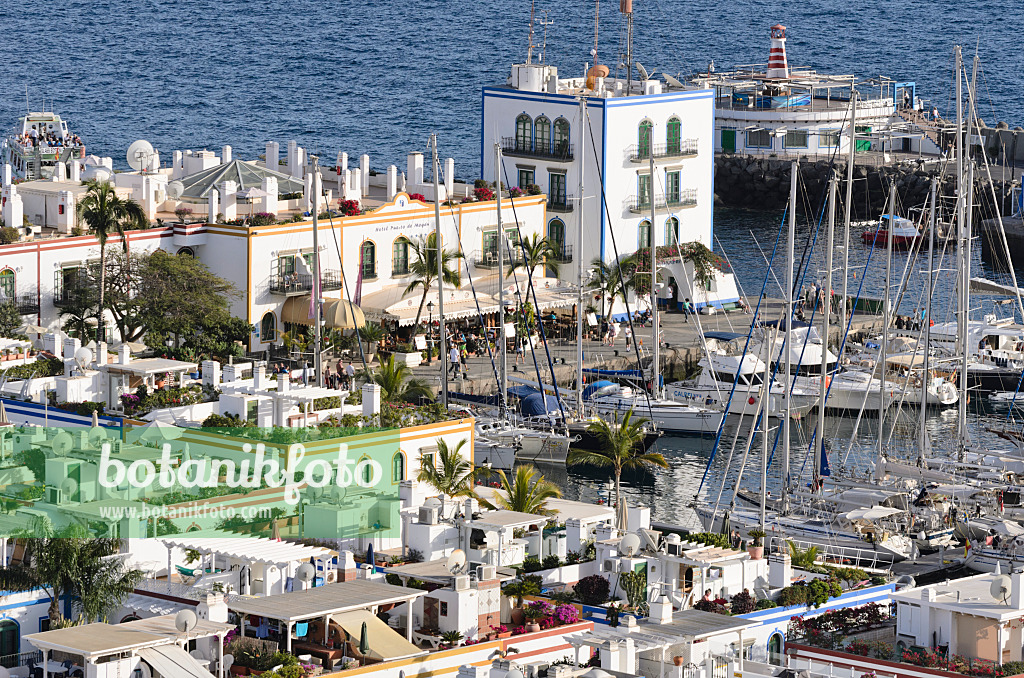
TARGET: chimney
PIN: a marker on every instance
(777, 66)
(284, 383)
(259, 376)
(392, 182)
(71, 347)
(414, 169)
(347, 567)
(124, 355)
(604, 531)
(661, 611)
(211, 373)
(101, 353)
(225, 154)
(364, 174)
(1017, 590)
(780, 570)
(371, 400)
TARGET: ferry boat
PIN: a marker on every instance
(38, 143)
(905, 233)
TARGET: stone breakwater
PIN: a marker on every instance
(763, 183)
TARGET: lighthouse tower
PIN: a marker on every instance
(778, 69)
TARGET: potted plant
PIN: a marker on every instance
(756, 549)
(452, 638)
(501, 631)
(678, 660)
(535, 612)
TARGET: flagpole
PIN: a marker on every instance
(315, 291)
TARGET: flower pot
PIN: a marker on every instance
(517, 616)
(506, 634)
(679, 660)
(237, 670)
(532, 627)
(756, 552)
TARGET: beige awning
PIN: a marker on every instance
(385, 643)
(170, 661)
(338, 313)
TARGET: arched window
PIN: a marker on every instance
(775, 649)
(674, 136)
(368, 259)
(524, 132)
(398, 467)
(268, 327)
(644, 234)
(187, 251)
(10, 637)
(542, 135)
(6, 285)
(556, 236)
(671, 231)
(561, 138)
(645, 134)
(400, 256)
(367, 471)
(130, 618)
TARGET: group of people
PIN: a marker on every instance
(49, 138)
(343, 379)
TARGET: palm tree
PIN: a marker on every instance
(526, 492)
(621, 449)
(450, 474)
(536, 251)
(395, 384)
(72, 562)
(105, 213)
(605, 280)
(424, 269)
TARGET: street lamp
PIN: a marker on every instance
(430, 330)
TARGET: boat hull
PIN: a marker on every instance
(668, 416)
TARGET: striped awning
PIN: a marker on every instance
(337, 313)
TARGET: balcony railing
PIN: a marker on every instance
(563, 253)
(685, 148)
(28, 304)
(639, 205)
(552, 150)
(561, 203)
(294, 284)
(73, 288)
(489, 258)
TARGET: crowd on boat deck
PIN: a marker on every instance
(50, 139)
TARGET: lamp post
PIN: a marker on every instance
(430, 330)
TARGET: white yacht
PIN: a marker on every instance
(718, 373)
(669, 416)
(38, 143)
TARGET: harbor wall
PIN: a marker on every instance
(763, 183)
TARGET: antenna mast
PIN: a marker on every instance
(529, 49)
(597, 16)
(545, 22)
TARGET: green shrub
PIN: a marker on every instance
(532, 564)
(8, 235)
(592, 590)
(765, 604)
(551, 562)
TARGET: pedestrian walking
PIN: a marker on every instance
(453, 358)
(628, 332)
(686, 310)
(350, 375)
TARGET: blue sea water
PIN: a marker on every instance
(378, 77)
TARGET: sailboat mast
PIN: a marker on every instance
(579, 251)
(315, 287)
(442, 343)
(926, 375)
(655, 339)
(503, 384)
(960, 247)
(968, 210)
(788, 340)
(825, 328)
(883, 354)
(766, 392)
(849, 204)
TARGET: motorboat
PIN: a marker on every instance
(37, 143)
(905, 233)
(669, 416)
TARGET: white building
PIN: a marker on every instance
(587, 143)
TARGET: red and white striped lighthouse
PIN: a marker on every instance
(777, 67)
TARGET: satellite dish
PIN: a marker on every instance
(175, 189)
(139, 155)
(338, 494)
(629, 545)
(83, 357)
(305, 572)
(1000, 588)
(456, 561)
(61, 443)
(315, 493)
(672, 82)
(68, 487)
(639, 67)
(185, 620)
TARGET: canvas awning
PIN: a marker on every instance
(170, 661)
(873, 513)
(385, 643)
(337, 313)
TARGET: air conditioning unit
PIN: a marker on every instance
(332, 576)
(461, 583)
(428, 515)
(675, 549)
(486, 572)
(536, 670)
(54, 495)
(561, 671)
(610, 565)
